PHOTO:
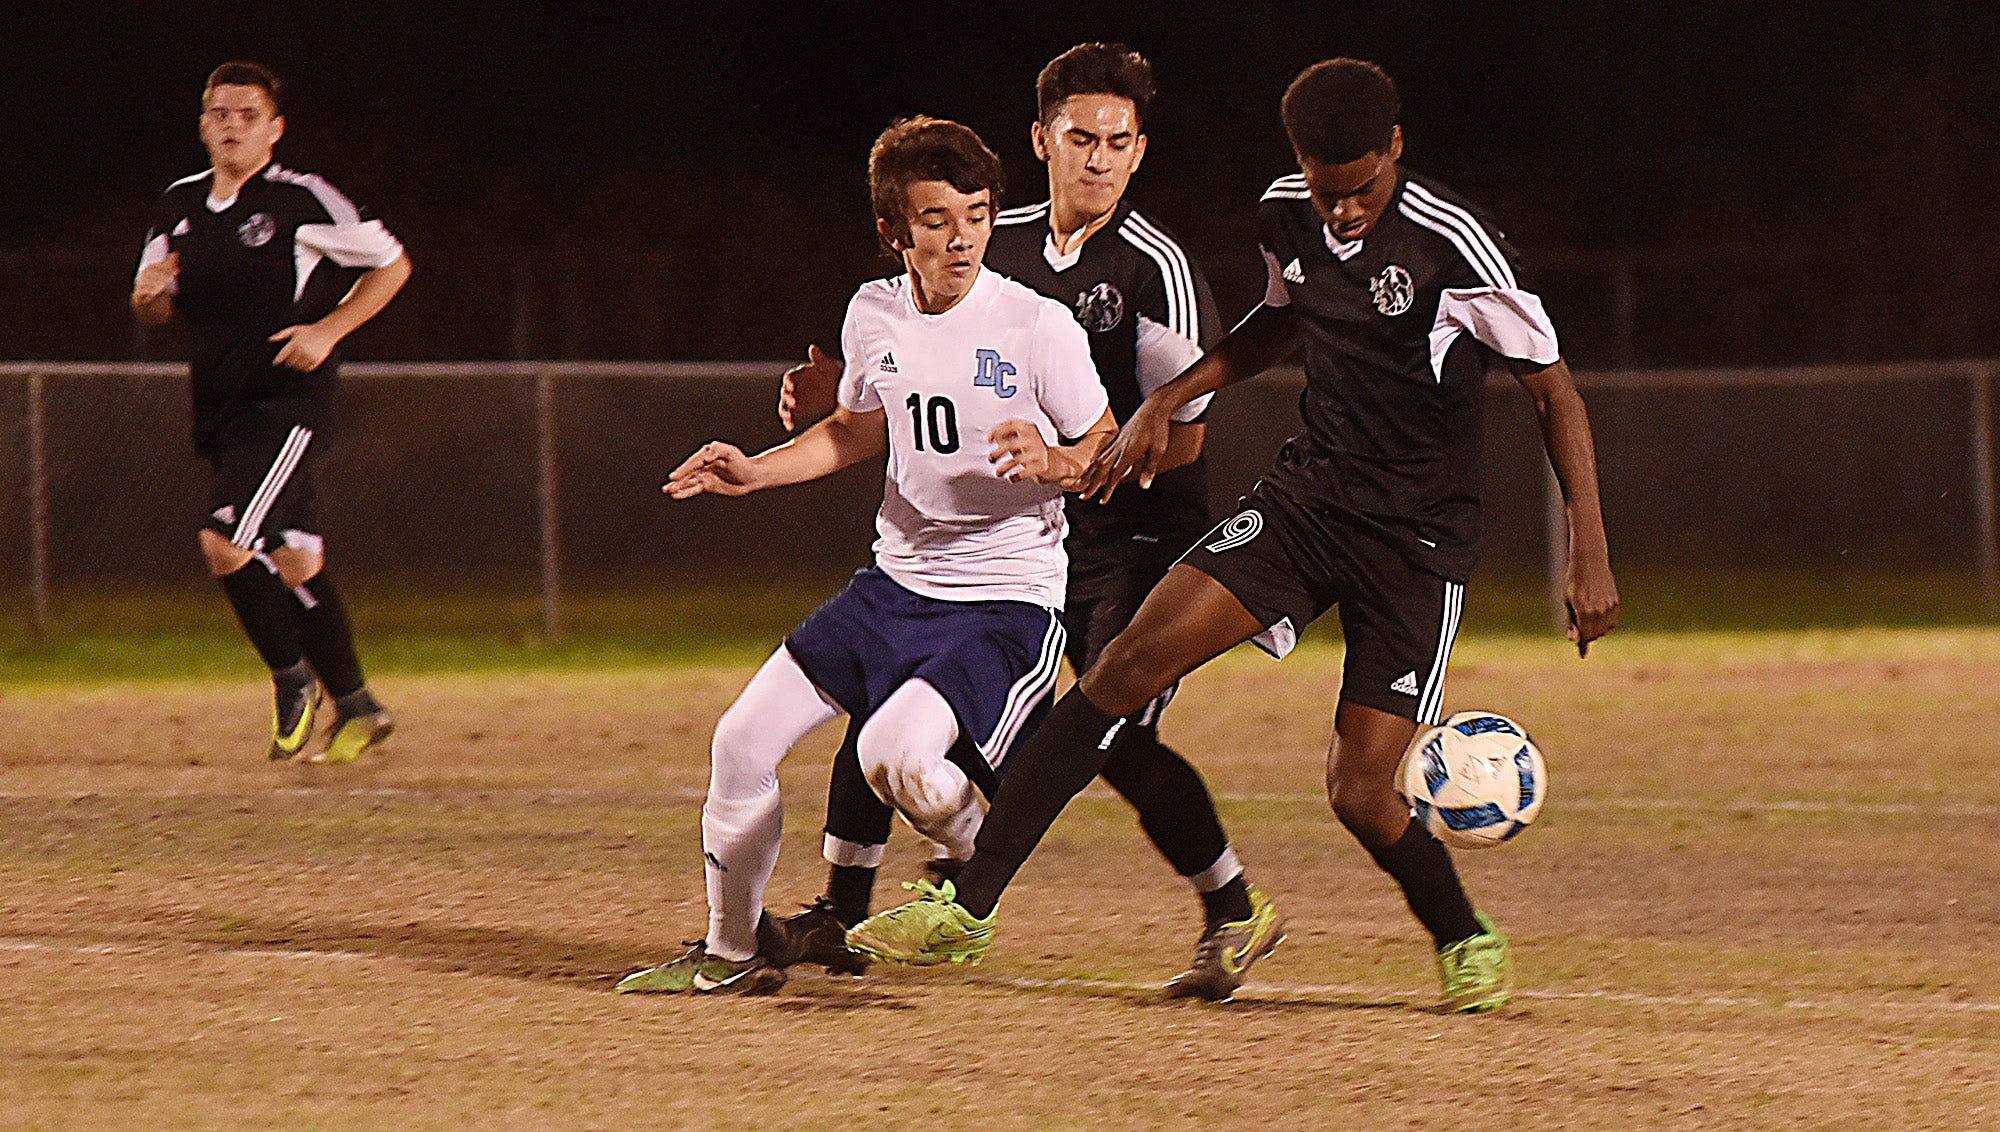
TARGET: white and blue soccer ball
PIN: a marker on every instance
(1474, 780)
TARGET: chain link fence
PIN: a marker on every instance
(547, 474)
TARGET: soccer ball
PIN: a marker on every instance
(1474, 780)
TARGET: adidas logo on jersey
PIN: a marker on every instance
(1294, 273)
(887, 364)
(1406, 684)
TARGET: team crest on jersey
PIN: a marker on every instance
(1394, 290)
(993, 373)
(257, 231)
(1101, 308)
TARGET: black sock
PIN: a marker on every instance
(267, 612)
(1227, 904)
(1065, 753)
(1421, 865)
(1174, 805)
(850, 887)
(327, 638)
(357, 702)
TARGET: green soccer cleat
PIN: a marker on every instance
(1224, 955)
(706, 974)
(1476, 971)
(815, 935)
(354, 734)
(292, 717)
(928, 930)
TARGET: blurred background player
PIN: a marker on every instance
(1148, 314)
(967, 380)
(1403, 296)
(270, 269)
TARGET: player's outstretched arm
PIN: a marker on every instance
(1144, 447)
(1020, 454)
(1589, 588)
(845, 438)
(306, 346)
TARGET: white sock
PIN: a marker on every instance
(739, 843)
(902, 748)
(743, 821)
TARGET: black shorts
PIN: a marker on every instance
(262, 492)
(1288, 565)
(1108, 580)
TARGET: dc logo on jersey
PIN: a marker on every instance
(257, 231)
(1394, 290)
(1101, 308)
(1236, 531)
(993, 373)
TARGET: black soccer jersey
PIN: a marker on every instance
(1401, 329)
(1146, 308)
(284, 251)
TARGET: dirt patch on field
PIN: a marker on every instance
(1762, 896)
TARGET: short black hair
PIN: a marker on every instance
(928, 149)
(1095, 68)
(1341, 110)
(242, 72)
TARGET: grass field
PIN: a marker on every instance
(1762, 895)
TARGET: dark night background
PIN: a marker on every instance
(1691, 184)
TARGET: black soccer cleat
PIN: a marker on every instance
(815, 935)
(292, 715)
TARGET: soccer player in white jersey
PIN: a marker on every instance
(970, 382)
(1148, 313)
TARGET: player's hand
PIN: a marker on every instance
(1592, 596)
(808, 390)
(714, 469)
(1020, 454)
(1138, 452)
(305, 348)
(156, 280)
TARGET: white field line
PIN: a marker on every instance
(1777, 806)
(1095, 792)
(1329, 993)
(1273, 992)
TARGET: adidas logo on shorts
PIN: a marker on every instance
(1406, 684)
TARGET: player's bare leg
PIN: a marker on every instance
(1188, 619)
(1361, 786)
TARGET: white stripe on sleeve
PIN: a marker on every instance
(1162, 356)
(1511, 322)
(1176, 277)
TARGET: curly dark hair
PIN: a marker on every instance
(1341, 110)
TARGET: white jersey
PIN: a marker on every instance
(949, 527)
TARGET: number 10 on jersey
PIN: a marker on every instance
(942, 417)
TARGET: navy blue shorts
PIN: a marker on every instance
(993, 661)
